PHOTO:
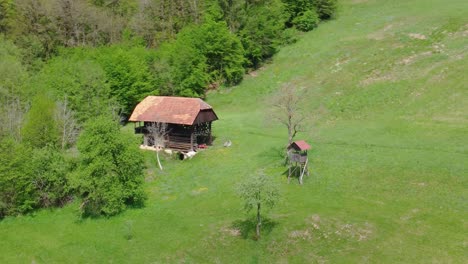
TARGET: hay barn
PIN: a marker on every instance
(187, 121)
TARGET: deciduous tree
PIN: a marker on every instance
(258, 191)
(40, 128)
(110, 173)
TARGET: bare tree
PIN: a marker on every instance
(68, 125)
(157, 134)
(288, 111)
(12, 116)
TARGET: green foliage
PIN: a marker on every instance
(50, 177)
(12, 72)
(201, 55)
(110, 174)
(80, 81)
(387, 182)
(307, 20)
(127, 74)
(261, 31)
(40, 128)
(258, 190)
(12, 89)
(188, 70)
(222, 49)
(17, 190)
(302, 13)
(326, 9)
(6, 14)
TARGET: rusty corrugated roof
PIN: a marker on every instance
(300, 145)
(168, 109)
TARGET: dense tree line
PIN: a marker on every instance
(64, 64)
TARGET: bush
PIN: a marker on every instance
(326, 9)
(128, 74)
(290, 36)
(261, 31)
(202, 55)
(77, 79)
(41, 128)
(110, 173)
(49, 173)
(307, 20)
(17, 190)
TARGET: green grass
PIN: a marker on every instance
(388, 125)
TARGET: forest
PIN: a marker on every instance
(71, 72)
(373, 94)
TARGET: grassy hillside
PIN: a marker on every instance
(388, 107)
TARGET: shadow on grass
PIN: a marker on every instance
(296, 173)
(247, 227)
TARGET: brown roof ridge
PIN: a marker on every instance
(169, 109)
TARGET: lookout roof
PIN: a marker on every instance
(299, 145)
(173, 110)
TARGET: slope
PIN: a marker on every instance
(388, 106)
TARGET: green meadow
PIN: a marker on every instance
(387, 119)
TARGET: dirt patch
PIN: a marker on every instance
(377, 76)
(417, 36)
(199, 190)
(381, 33)
(333, 229)
(409, 215)
(338, 66)
(462, 33)
(411, 59)
(301, 234)
(231, 231)
(256, 72)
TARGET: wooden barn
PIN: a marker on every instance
(186, 121)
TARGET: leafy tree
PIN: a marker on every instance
(12, 90)
(222, 49)
(41, 128)
(128, 74)
(326, 9)
(204, 54)
(188, 69)
(80, 81)
(110, 173)
(307, 20)
(296, 8)
(17, 190)
(261, 31)
(160, 21)
(258, 191)
(6, 13)
(49, 177)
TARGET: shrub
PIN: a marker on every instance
(49, 174)
(17, 192)
(110, 173)
(41, 128)
(261, 31)
(326, 9)
(307, 20)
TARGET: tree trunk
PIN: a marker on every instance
(159, 162)
(259, 221)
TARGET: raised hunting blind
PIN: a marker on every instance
(183, 124)
(298, 160)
